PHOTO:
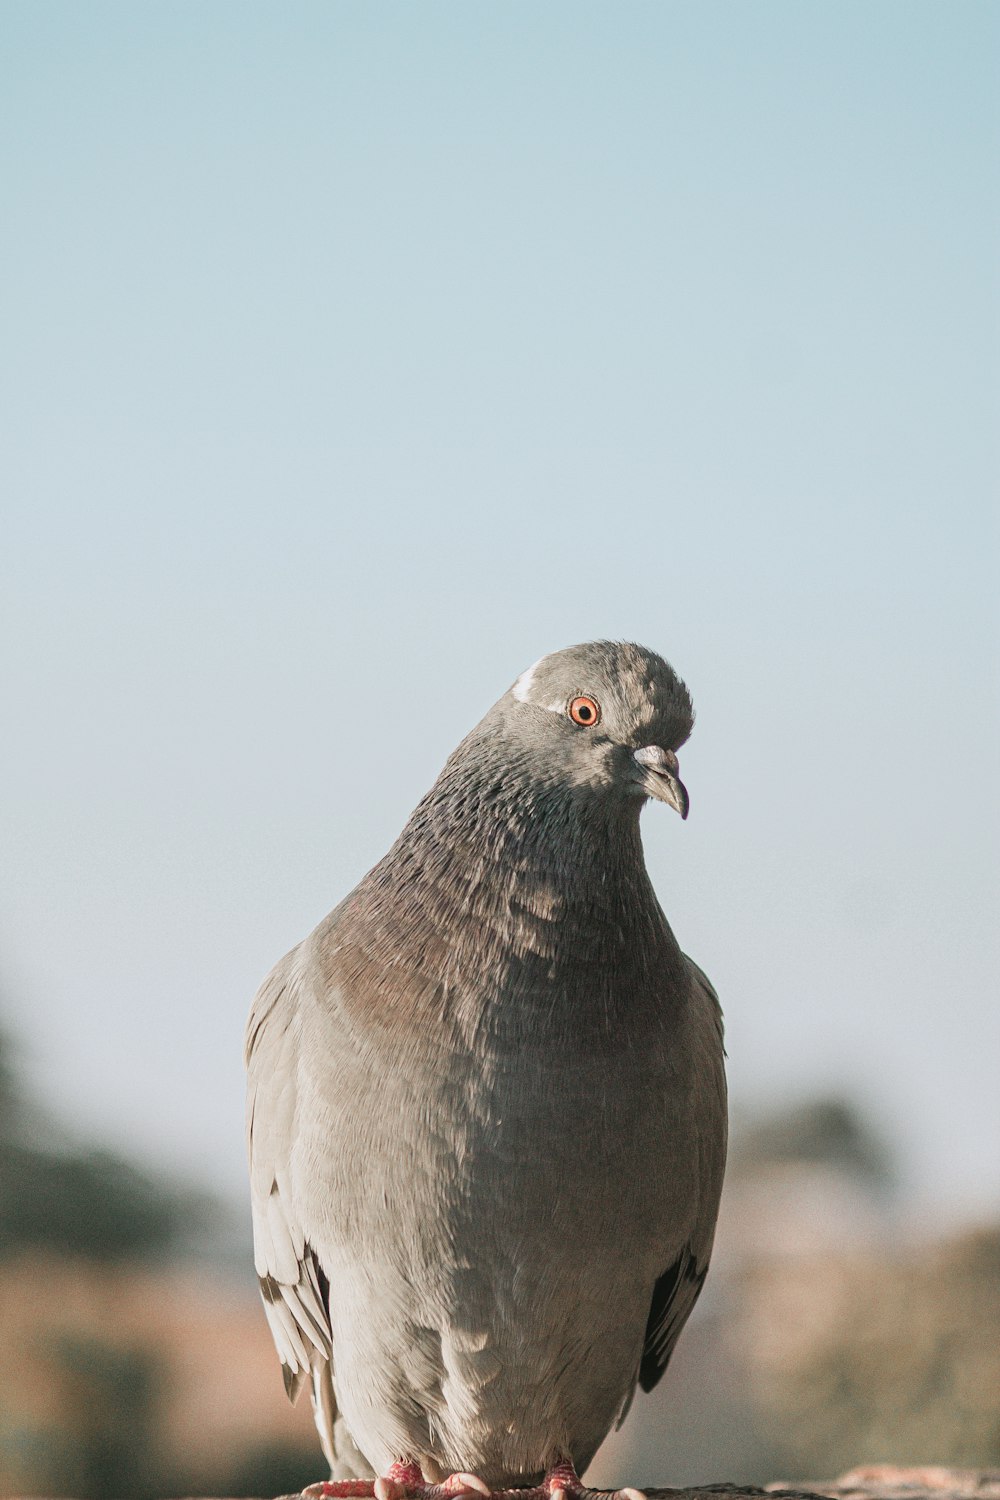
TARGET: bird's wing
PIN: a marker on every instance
(292, 1283)
(676, 1290)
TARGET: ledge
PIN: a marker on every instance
(871, 1482)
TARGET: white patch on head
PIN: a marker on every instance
(522, 686)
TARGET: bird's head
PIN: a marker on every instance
(609, 715)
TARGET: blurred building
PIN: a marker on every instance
(141, 1382)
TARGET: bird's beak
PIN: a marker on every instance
(660, 778)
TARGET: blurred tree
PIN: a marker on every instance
(830, 1132)
(87, 1203)
(77, 1201)
(85, 1385)
(267, 1469)
(7, 1089)
(107, 1444)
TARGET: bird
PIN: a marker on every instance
(486, 1108)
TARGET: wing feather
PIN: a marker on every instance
(676, 1291)
(286, 1264)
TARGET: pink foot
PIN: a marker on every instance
(562, 1482)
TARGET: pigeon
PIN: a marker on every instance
(486, 1108)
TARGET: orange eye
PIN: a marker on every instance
(584, 711)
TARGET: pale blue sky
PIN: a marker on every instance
(352, 356)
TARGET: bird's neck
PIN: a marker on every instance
(501, 891)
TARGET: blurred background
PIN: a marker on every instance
(353, 356)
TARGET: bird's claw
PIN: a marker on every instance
(464, 1484)
(389, 1489)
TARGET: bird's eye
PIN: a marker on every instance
(584, 711)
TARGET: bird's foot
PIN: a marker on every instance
(406, 1482)
(562, 1482)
